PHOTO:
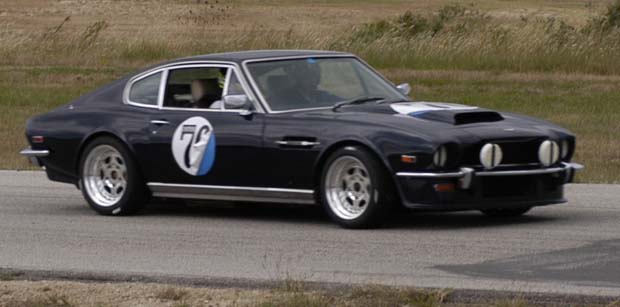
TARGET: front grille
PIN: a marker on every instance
(523, 151)
(516, 186)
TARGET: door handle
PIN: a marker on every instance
(297, 143)
(160, 122)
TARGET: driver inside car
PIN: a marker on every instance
(306, 78)
(205, 92)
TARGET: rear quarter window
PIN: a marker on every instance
(146, 91)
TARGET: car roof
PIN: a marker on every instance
(240, 56)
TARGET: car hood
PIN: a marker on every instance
(438, 121)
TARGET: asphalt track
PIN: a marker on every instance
(568, 249)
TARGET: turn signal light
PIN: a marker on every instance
(444, 187)
(408, 159)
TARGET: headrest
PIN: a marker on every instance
(203, 87)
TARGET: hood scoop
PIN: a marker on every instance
(462, 118)
(454, 114)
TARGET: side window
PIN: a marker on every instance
(199, 88)
(234, 86)
(146, 90)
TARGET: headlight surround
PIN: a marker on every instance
(564, 149)
(440, 157)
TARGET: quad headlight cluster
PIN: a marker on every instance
(549, 153)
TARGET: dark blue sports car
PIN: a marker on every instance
(304, 127)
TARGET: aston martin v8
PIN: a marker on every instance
(296, 127)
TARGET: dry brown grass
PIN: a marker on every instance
(135, 32)
(171, 294)
(67, 294)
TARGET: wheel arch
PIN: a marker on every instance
(329, 150)
(95, 135)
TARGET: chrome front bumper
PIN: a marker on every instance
(466, 174)
(33, 155)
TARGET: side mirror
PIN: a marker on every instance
(238, 102)
(404, 88)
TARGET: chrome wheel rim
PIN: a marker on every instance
(105, 175)
(348, 187)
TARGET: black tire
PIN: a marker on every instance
(135, 194)
(382, 194)
(510, 212)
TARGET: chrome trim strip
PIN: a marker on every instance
(574, 166)
(232, 193)
(431, 175)
(521, 172)
(507, 165)
(162, 89)
(160, 122)
(28, 152)
(297, 143)
(467, 171)
(34, 155)
(180, 65)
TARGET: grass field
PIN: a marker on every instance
(559, 60)
(21, 293)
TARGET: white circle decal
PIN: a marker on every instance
(193, 146)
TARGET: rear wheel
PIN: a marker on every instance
(355, 188)
(512, 212)
(109, 179)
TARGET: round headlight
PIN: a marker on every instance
(491, 155)
(564, 148)
(440, 157)
(548, 153)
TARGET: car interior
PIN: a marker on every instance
(199, 88)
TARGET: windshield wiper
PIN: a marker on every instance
(393, 100)
(358, 100)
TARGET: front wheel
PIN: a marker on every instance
(109, 178)
(512, 212)
(355, 188)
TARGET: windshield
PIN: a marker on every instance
(318, 82)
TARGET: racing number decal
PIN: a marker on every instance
(193, 146)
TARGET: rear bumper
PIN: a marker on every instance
(34, 154)
(486, 189)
